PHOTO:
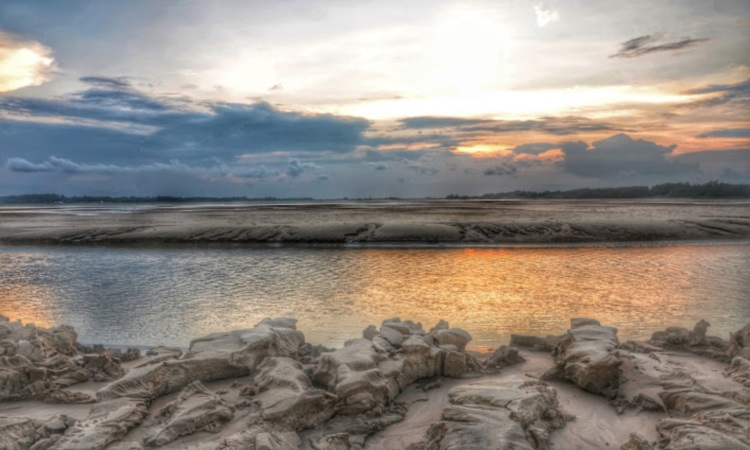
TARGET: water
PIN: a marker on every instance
(153, 296)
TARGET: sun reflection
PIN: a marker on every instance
(27, 303)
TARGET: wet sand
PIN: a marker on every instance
(471, 222)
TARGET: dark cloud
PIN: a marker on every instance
(422, 169)
(535, 148)
(551, 125)
(720, 162)
(378, 166)
(500, 170)
(654, 43)
(113, 121)
(621, 155)
(66, 166)
(727, 133)
(297, 167)
(107, 82)
(729, 93)
(440, 122)
(392, 155)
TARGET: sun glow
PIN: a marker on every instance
(484, 150)
(23, 66)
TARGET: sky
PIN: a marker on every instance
(359, 98)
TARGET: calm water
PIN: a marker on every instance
(152, 296)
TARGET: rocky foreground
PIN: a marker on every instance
(397, 387)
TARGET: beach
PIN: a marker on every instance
(396, 386)
(525, 383)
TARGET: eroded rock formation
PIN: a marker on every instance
(496, 415)
(265, 388)
(586, 356)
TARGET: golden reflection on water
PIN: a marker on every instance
(169, 296)
(494, 292)
(25, 302)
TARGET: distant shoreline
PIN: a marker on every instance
(710, 190)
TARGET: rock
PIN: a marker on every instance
(370, 332)
(36, 362)
(455, 365)
(18, 433)
(394, 337)
(582, 322)
(131, 355)
(453, 336)
(308, 353)
(671, 336)
(708, 413)
(698, 335)
(496, 415)
(214, 357)
(637, 442)
(686, 434)
(739, 371)
(365, 374)
(287, 398)
(539, 343)
(503, 357)
(125, 446)
(277, 441)
(102, 367)
(256, 438)
(338, 441)
(586, 356)
(441, 325)
(739, 343)
(352, 374)
(195, 409)
(695, 341)
(405, 327)
(107, 422)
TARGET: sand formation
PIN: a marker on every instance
(378, 222)
(398, 387)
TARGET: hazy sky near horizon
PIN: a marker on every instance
(370, 98)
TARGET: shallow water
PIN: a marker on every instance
(153, 296)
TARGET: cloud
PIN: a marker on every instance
(23, 63)
(545, 15)
(66, 166)
(108, 82)
(730, 93)
(500, 170)
(535, 148)
(551, 125)
(297, 167)
(719, 162)
(378, 166)
(621, 155)
(653, 43)
(136, 126)
(727, 133)
(422, 169)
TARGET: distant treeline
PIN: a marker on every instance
(55, 198)
(712, 189)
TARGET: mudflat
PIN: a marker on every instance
(423, 221)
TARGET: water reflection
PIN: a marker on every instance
(168, 296)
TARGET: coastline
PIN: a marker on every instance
(397, 386)
(383, 223)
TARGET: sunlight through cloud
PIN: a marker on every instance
(23, 64)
